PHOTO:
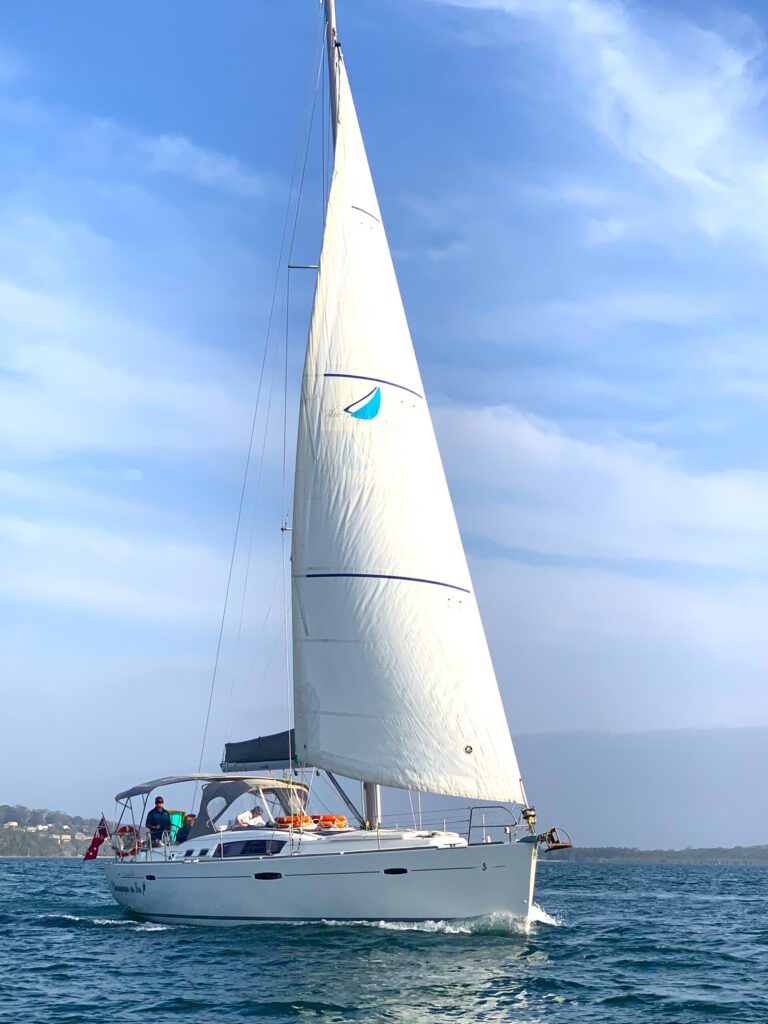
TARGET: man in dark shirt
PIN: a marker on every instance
(158, 821)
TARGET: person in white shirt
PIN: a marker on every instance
(251, 819)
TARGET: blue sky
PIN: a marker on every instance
(575, 195)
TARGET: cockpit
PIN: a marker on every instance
(231, 803)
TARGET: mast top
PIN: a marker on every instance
(334, 55)
(330, 14)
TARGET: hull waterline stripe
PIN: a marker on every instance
(375, 380)
(151, 915)
(381, 576)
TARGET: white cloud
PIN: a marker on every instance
(109, 573)
(73, 378)
(539, 490)
(83, 368)
(104, 145)
(11, 67)
(677, 100)
(449, 251)
(619, 588)
(570, 324)
(741, 363)
(170, 154)
(613, 309)
(57, 399)
(592, 648)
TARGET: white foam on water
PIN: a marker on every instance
(490, 924)
(540, 916)
(138, 926)
(109, 922)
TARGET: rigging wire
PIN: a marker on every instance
(278, 568)
(410, 801)
(322, 129)
(283, 532)
(305, 127)
(251, 539)
(285, 528)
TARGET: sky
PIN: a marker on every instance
(576, 196)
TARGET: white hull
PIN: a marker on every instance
(411, 883)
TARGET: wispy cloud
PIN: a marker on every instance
(680, 101)
(84, 568)
(10, 68)
(611, 570)
(541, 490)
(589, 647)
(73, 379)
(118, 399)
(104, 145)
(577, 321)
(169, 154)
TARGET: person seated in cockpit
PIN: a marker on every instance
(182, 835)
(251, 819)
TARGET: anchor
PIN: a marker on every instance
(555, 839)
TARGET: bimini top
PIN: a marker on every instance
(251, 782)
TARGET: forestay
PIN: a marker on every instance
(393, 680)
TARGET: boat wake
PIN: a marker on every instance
(540, 916)
(68, 920)
(490, 924)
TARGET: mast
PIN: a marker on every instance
(332, 44)
(371, 790)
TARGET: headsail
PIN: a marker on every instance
(393, 680)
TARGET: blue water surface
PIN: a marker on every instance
(615, 943)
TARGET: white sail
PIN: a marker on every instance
(393, 680)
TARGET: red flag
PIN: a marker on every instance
(101, 833)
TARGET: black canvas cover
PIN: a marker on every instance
(263, 752)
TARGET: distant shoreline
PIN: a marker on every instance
(44, 856)
(753, 856)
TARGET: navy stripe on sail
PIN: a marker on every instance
(366, 212)
(376, 380)
(383, 576)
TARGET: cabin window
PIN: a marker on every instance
(202, 853)
(250, 848)
(188, 853)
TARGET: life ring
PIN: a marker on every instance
(293, 821)
(329, 820)
(122, 837)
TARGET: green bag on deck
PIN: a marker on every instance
(177, 820)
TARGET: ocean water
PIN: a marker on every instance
(613, 944)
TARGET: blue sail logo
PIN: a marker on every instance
(367, 407)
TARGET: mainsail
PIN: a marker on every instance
(393, 680)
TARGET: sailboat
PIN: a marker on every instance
(392, 677)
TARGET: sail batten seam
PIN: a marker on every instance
(383, 576)
(375, 380)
